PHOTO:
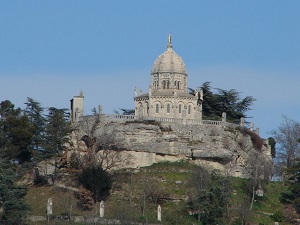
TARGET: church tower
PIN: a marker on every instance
(168, 96)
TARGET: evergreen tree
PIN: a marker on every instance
(216, 201)
(214, 104)
(16, 132)
(211, 199)
(293, 195)
(98, 181)
(34, 111)
(12, 204)
(58, 128)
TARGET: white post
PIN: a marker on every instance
(242, 122)
(101, 209)
(159, 213)
(49, 208)
(223, 116)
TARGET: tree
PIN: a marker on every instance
(57, 130)
(259, 170)
(272, 143)
(16, 132)
(287, 138)
(34, 111)
(100, 150)
(125, 111)
(57, 134)
(211, 200)
(214, 104)
(293, 195)
(12, 204)
(199, 180)
(216, 200)
(98, 181)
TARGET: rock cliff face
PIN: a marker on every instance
(216, 147)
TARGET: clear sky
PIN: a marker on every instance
(51, 50)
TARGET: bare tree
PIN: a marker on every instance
(287, 137)
(259, 169)
(100, 151)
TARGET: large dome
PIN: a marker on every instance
(169, 62)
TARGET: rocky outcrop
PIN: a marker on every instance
(220, 147)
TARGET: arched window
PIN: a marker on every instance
(147, 105)
(157, 108)
(168, 108)
(168, 84)
(178, 85)
(189, 109)
(164, 84)
(179, 108)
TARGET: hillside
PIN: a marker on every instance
(170, 186)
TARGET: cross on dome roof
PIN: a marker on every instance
(169, 61)
(170, 42)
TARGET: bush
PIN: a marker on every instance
(85, 199)
(277, 216)
(96, 180)
(39, 180)
(297, 205)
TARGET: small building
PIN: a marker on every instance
(77, 106)
(168, 95)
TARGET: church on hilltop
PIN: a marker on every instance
(167, 125)
(168, 95)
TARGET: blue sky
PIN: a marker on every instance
(50, 50)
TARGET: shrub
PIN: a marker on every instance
(98, 181)
(39, 180)
(277, 216)
(85, 199)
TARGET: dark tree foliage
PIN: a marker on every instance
(98, 181)
(35, 111)
(272, 143)
(12, 201)
(216, 201)
(57, 130)
(214, 104)
(16, 133)
(212, 196)
(125, 111)
(293, 195)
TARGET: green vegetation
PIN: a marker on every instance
(12, 203)
(214, 104)
(96, 180)
(136, 194)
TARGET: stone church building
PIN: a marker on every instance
(168, 95)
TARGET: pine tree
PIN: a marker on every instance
(35, 111)
(58, 128)
(16, 133)
(12, 202)
(214, 104)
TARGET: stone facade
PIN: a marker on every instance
(168, 96)
(77, 107)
